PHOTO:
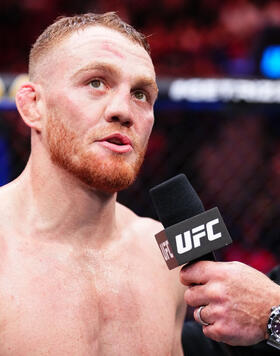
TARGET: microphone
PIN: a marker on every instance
(191, 233)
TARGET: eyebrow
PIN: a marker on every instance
(112, 70)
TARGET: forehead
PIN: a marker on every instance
(96, 43)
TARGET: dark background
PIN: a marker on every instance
(230, 151)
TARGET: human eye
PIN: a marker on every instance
(97, 84)
(141, 95)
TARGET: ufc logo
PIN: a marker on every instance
(191, 239)
(165, 250)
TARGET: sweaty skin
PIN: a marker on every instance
(81, 274)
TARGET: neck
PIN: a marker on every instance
(59, 206)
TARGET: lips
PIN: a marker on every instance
(117, 143)
(118, 139)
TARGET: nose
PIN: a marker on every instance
(118, 109)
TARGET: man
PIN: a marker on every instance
(80, 273)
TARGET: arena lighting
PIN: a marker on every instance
(225, 90)
(270, 62)
(196, 90)
(2, 88)
(9, 84)
(16, 83)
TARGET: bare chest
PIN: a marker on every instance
(61, 307)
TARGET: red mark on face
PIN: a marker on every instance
(108, 47)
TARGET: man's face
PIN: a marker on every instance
(99, 90)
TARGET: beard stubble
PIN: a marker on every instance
(109, 175)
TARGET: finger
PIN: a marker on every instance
(219, 332)
(203, 316)
(218, 328)
(197, 273)
(209, 331)
(206, 315)
(195, 296)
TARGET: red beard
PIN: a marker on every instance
(110, 175)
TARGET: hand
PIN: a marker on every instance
(237, 300)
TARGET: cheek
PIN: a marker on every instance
(71, 111)
(148, 124)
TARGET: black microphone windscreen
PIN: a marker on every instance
(175, 200)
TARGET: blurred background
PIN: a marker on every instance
(217, 116)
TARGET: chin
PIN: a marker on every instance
(107, 180)
(108, 175)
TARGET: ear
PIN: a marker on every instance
(27, 101)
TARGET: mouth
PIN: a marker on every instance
(117, 143)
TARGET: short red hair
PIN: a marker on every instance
(64, 26)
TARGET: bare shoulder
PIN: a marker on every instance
(7, 219)
(9, 213)
(139, 233)
(6, 201)
(142, 230)
(144, 226)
